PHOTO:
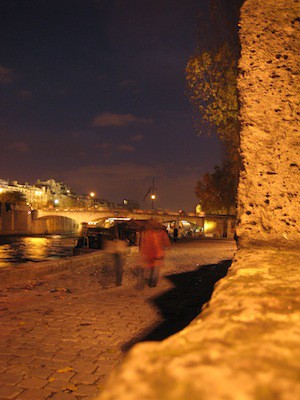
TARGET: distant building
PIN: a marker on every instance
(52, 193)
(42, 193)
(105, 203)
(57, 192)
(35, 196)
(130, 204)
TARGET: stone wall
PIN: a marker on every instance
(269, 87)
(15, 219)
(103, 262)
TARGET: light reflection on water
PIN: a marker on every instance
(20, 249)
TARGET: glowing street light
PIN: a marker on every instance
(91, 199)
(153, 197)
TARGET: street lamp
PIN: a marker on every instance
(153, 197)
(91, 202)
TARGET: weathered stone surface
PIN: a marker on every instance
(269, 87)
(244, 346)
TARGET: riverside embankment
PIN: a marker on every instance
(244, 346)
(63, 333)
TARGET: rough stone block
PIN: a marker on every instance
(269, 87)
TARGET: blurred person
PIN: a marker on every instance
(152, 247)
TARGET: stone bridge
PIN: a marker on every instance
(46, 221)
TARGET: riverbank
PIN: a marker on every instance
(62, 334)
(185, 249)
(244, 345)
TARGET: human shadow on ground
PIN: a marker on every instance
(181, 304)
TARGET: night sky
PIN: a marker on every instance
(92, 93)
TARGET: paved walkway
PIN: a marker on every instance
(62, 335)
(244, 346)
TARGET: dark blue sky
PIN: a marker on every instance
(92, 93)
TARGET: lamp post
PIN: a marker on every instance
(92, 195)
(153, 197)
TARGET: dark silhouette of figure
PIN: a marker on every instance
(175, 234)
(118, 265)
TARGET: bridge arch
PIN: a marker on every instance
(55, 224)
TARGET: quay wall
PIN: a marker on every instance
(103, 261)
(15, 219)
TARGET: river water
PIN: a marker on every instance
(21, 249)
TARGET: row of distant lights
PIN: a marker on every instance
(92, 195)
(37, 192)
(110, 220)
(56, 201)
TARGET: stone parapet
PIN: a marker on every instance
(245, 345)
(103, 261)
(269, 87)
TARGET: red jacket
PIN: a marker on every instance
(153, 245)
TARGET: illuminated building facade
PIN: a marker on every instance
(42, 193)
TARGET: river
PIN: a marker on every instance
(21, 249)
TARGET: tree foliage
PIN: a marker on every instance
(212, 88)
(211, 76)
(216, 191)
(12, 197)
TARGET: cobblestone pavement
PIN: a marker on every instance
(62, 335)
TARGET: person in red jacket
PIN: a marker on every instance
(152, 247)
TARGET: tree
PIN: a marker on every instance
(212, 88)
(12, 197)
(211, 75)
(216, 191)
